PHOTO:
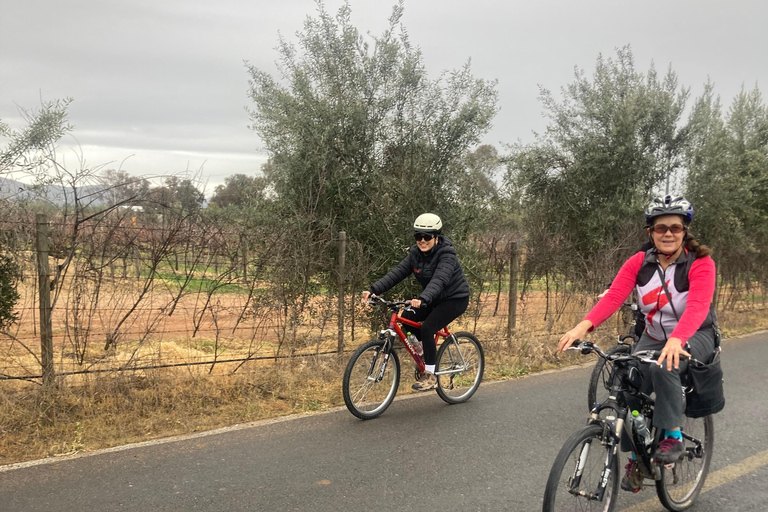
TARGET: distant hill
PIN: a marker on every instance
(18, 191)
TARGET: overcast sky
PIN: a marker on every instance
(160, 86)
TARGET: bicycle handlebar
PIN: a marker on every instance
(375, 300)
(645, 356)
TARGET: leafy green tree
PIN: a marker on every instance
(28, 151)
(610, 142)
(30, 147)
(241, 191)
(361, 140)
(119, 187)
(178, 198)
(185, 194)
(728, 182)
(175, 200)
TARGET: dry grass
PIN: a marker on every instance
(98, 411)
(108, 410)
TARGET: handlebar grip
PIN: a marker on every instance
(584, 346)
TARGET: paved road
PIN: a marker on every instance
(492, 453)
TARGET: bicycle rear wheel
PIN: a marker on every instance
(459, 368)
(370, 380)
(682, 481)
(578, 472)
(600, 381)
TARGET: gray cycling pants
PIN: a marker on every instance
(670, 399)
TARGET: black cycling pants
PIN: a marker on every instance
(433, 318)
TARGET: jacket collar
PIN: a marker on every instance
(652, 255)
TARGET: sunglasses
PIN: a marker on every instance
(661, 229)
(423, 236)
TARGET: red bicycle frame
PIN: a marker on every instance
(394, 325)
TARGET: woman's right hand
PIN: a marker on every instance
(366, 295)
(577, 333)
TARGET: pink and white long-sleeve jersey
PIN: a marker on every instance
(691, 302)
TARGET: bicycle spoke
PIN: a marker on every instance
(362, 393)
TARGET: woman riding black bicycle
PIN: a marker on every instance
(445, 295)
(675, 282)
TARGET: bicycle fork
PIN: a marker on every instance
(376, 353)
(612, 452)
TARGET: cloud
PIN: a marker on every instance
(165, 81)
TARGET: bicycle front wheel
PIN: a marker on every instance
(681, 482)
(370, 380)
(579, 479)
(460, 366)
(600, 381)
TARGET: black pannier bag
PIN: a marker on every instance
(704, 392)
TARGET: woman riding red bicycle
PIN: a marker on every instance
(675, 282)
(445, 294)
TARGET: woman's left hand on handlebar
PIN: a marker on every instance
(671, 352)
(415, 303)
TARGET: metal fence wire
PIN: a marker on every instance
(121, 296)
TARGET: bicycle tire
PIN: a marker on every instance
(456, 388)
(599, 384)
(365, 397)
(681, 483)
(557, 495)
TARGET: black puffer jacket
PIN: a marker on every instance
(438, 271)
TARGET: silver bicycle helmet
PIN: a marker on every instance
(669, 205)
(428, 223)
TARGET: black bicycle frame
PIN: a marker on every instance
(616, 425)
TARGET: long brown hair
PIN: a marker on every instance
(692, 245)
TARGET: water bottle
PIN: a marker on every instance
(416, 344)
(641, 427)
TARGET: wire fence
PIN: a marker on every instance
(130, 297)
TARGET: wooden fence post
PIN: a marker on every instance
(514, 264)
(137, 262)
(342, 253)
(244, 249)
(44, 291)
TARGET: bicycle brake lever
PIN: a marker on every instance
(583, 349)
(648, 356)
